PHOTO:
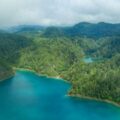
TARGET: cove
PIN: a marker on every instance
(27, 96)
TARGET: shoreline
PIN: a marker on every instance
(61, 79)
(6, 78)
(95, 99)
(42, 75)
(2, 80)
(23, 69)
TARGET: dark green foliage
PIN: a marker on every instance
(85, 29)
(96, 30)
(10, 47)
(63, 57)
(108, 47)
(53, 32)
(60, 51)
(51, 56)
(97, 80)
(5, 70)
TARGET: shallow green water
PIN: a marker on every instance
(30, 97)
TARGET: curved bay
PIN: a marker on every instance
(30, 97)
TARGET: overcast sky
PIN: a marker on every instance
(58, 12)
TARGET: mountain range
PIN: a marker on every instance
(83, 29)
(60, 51)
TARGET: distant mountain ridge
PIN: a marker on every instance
(25, 28)
(83, 29)
(87, 29)
(96, 30)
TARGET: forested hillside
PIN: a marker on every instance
(85, 29)
(60, 51)
(10, 47)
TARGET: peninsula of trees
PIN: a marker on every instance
(60, 51)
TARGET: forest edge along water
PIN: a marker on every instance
(61, 79)
(47, 99)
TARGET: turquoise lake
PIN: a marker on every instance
(88, 60)
(30, 97)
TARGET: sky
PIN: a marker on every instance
(58, 12)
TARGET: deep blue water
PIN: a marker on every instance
(30, 97)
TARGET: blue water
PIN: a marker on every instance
(30, 97)
(88, 60)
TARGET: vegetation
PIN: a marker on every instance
(57, 52)
(10, 47)
(51, 56)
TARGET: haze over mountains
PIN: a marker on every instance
(92, 30)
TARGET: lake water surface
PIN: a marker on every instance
(31, 97)
(88, 60)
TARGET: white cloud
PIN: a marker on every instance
(58, 12)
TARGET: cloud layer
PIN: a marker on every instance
(58, 12)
